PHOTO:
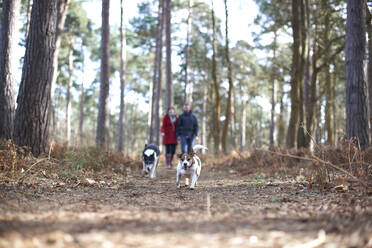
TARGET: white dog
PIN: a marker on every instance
(189, 166)
(150, 158)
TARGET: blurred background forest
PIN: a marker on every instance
(282, 85)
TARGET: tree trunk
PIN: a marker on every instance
(28, 17)
(233, 136)
(81, 104)
(188, 84)
(217, 112)
(229, 77)
(356, 105)
(281, 125)
(123, 51)
(328, 117)
(103, 107)
(307, 79)
(300, 129)
(155, 120)
(8, 34)
(69, 86)
(61, 18)
(273, 93)
(369, 66)
(295, 77)
(168, 44)
(244, 120)
(33, 102)
(204, 111)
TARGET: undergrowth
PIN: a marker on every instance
(62, 162)
(324, 166)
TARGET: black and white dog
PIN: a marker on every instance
(189, 166)
(150, 158)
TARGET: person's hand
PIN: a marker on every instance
(179, 138)
(197, 139)
(162, 134)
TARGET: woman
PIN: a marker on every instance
(168, 131)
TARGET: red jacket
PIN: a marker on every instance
(169, 130)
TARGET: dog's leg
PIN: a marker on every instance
(153, 168)
(193, 180)
(143, 169)
(178, 177)
(187, 181)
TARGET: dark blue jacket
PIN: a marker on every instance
(187, 125)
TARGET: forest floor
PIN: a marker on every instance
(227, 209)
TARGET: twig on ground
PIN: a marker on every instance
(316, 159)
(24, 174)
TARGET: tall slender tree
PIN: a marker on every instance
(32, 114)
(189, 84)
(229, 78)
(63, 6)
(8, 40)
(296, 76)
(103, 107)
(273, 91)
(217, 106)
(81, 103)
(71, 42)
(123, 51)
(369, 66)
(155, 119)
(168, 45)
(28, 17)
(356, 102)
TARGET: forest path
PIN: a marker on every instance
(225, 210)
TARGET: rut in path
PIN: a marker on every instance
(225, 210)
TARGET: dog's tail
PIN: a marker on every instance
(199, 147)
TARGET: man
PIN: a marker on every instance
(187, 128)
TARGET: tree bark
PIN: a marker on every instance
(168, 44)
(155, 119)
(295, 77)
(123, 51)
(217, 112)
(229, 77)
(8, 31)
(369, 66)
(356, 105)
(32, 114)
(103, 107)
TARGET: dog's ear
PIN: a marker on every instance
(191, 152)
(179, 155)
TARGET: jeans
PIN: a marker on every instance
(186, 143)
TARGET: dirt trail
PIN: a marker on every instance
(225, 210)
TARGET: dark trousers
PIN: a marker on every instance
(170, 149)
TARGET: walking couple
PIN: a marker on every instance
(175, 128)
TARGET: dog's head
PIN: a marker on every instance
(148, 158)
(187, 159)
